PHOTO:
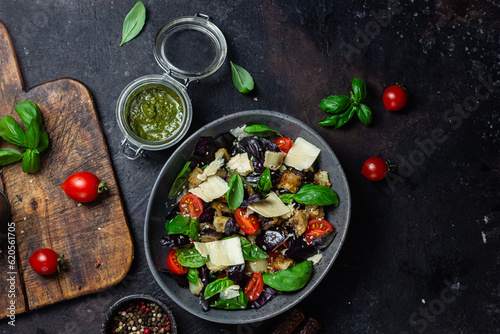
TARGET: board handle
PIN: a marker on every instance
(10, 74)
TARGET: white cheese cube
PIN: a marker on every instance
(302, 154)
(273, 160)
(240, 164)
(225, 252)
(214, 187)
(232, 292)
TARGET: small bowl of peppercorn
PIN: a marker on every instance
(139, 314)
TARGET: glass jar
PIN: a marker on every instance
(187, 48)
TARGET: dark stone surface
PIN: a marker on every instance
(422, 253)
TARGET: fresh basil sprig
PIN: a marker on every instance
(261, 130)
(180, 181)
(134, 22)
(252, 252)
(192, 275)
(183, 225)
(312, 194)
(343, 108)
(190, 257)
(264, 184)
(235, 193)
(33, 141)
(217, 286)
(235, 303)
(242, 80)
(290, 279)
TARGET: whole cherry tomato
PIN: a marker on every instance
(173, 264)
(191, 205)
(375, 169)
(283, 143)
(44, 261)
(395, 98)
(83, 187)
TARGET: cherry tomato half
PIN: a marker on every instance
(284, 144)
(247, 223)
(44, 261)
(191, 205)
(83, 187)
(173, 265)
(317, 228)
(395, 98)
(375, 169)
(254, 286)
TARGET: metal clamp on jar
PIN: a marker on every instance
(154, 112)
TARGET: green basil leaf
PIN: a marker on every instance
(264, 184)
(337, 120)
(364, 113)
(235, 193)
(12, 132)
(31, 161)
(180, 181)
(335, 103)
(261, 130)
(217, 286)
(236, 303)
(190, 257)
(32, 135)
(183, 225)
(43, 141)
(242, 80)
(192, 276)
(9, 155)
(359, 90)
(318, 195)
(134, 22)
(290, 279)
(28, 111)
(252, 252)
(286, 198)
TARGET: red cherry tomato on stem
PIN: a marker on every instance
(247, 223)
(173, 264)
(254, 286)
(284, 144)
(317, 228)
(191, 205)
(375, 169)
(395, 98)
(45, 261)
(83, 187)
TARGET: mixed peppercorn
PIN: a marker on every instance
(142, 317)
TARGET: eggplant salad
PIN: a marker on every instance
(248, 222)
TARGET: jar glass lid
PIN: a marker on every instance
(190, 47)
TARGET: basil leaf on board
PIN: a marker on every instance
(235, 193)
(190, 257)
(12, 132)
(217, 286)
(264, 184)
(9, 155)
(31, 161)
(286, 198)
(180, 181)
(236, 303)
(337, 120)
(290, 279)
(364, 114)
(183, 225)
(252, 252)
(43, 143)
(335, 103)
(192, 275)
(261, 130)
(359, 90)
(134, 22)
(28, 111)
(32, 135)
(318, 195)
(242, 80)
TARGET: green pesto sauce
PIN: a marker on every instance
(155, 113)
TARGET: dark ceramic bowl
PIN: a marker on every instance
(106, 325)
(159, 206)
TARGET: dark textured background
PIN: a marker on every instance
(422, 254)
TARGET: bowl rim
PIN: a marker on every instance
(122, 301)
(196, 134)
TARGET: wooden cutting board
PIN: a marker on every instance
(44, 216)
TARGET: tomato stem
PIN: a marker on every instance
(101, 187)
